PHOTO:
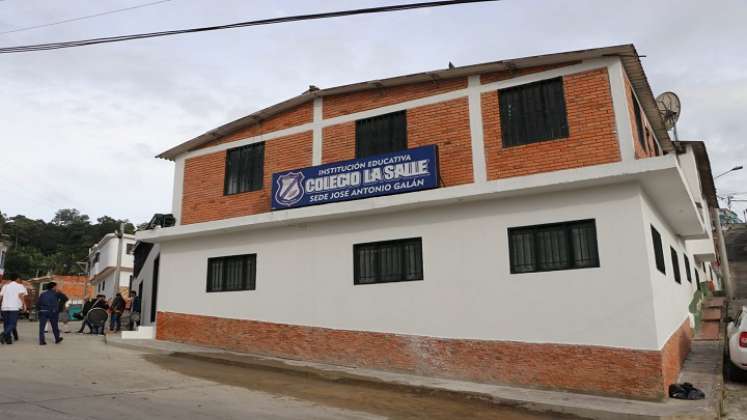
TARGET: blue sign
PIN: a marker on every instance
(392, 173)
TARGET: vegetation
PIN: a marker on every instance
(38, 247)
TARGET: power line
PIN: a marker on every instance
(108, 12)
(295, 18)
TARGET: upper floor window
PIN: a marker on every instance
(557, 246)
(245, 168)
(130, 249)
(533, 112)
(388, 261)
(227, 274)
(638, 120)
(381, 134)
(658, 250)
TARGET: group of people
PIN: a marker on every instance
(119, 310)
(51, 308)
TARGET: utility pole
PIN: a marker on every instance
(120, 237)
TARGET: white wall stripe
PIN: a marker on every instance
(620, 108)
(176, 200)
(479, 165)
(316, 154)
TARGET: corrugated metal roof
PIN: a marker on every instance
(627, 52)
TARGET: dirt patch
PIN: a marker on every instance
(349, 392)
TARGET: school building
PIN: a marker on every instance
(525, 222)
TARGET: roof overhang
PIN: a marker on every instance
(627, 53)
(704, 169)
(659, 177)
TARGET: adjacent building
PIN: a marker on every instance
(76, 288)
(110, 264)
(525, 222)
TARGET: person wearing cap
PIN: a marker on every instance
(48, 304)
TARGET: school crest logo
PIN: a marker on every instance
(290, 189)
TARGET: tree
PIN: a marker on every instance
(66, 217)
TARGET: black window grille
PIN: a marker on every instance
(388, 261)
(675, 266)
(557, 246)
(533, 112)
(658, 250)
(697, 279)
(130, 248)
(244, 169)
(227, 274)
(638, 120)
(381, 134)
(688, 274)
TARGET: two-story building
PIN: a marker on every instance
(110, 264)
(525, 222)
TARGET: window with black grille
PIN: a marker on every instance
(697, 279)
(675, 265)
(381, 134)
(557, 246)
(227, 274)
(533, 112)
(658, 250)
(388, 261)
(245, 169)
(688, 274)
(638, 120)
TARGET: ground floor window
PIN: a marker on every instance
(236, 272)
(557, 246)
(687, 269)
(388, 261)
(658, 250)
(675, 265)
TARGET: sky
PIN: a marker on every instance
(81, 127)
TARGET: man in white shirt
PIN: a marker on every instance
(11, 304)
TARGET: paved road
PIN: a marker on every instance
(85, 378)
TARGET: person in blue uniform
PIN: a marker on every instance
(48, 305)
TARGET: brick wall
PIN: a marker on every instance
(203, 198)
(648, 148)
(588, 369)
(507, 74)
(592, 136)
(674, 352)
(298, 115)
(445, 124)
(348, 103)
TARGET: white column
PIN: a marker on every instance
(475, 127)
(316, 154)
(176, 200)
(620, 108)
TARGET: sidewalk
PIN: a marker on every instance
(702, 368)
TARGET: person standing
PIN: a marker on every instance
(11, 303)
(134, 310)
(87, 305)
(118, 306)
(49, 306)
(62, 300)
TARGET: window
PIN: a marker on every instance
(244, 169)
(381, 134)
(697, 279)
(558, 246)
(658, 250)
(228, 274)
(638, 120)
(130, 249)
(687, 269)
(389, 261)
(533, 112)
(96, 257)
(675, 266)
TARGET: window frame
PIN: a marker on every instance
(259, 184)
(638, 121)
(675, 265)
(567, 226)
(658, 250)
(359, 149)
(503, 107)
(403, 242)
(248, 284)
(688, 274)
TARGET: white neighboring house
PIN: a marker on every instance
(103, 264)
(3, 254)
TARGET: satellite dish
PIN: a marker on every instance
(670, 108)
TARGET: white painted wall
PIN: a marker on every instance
(305, 274)
(671, 300)
(108, 248)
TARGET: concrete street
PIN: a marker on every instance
(85, 378)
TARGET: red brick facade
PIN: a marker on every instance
(647, 148)
(592, 137)
(203, 199)
(629, 373)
